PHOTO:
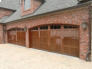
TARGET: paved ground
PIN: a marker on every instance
(17, 57)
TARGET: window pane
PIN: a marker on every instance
(55, 26)
(36, 28)
(68, 26)
(44, 27)
(27, 4)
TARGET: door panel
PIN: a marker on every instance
(21, 38)
(12, 37)
(55, 40)
(34, 39)
(44, 40)
(71, 42)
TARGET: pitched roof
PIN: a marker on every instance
(10, 4)
(48, 6)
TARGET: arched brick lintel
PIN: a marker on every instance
(37, 25)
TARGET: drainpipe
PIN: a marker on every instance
(88, 56)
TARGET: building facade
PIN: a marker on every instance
(56, 26)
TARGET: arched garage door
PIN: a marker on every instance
(16, 36)
(56, 38)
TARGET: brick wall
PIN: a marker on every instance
(1, 33)
(91, 30)
(72, 17)
(4, 12)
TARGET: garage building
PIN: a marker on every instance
(60, 26)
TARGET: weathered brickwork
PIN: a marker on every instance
(1, 33)
(72, 17)
(4, 12)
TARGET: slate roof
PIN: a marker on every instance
(48, 6)
(10, 4)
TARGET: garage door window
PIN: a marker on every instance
(55, 27)
(35, 28)
(19, 29)
(43, 27)
(69, 27)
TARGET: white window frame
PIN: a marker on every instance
(27, 4)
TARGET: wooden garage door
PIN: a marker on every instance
(21, 38)
(12, 36)
(70, 42)
(34, 40)
(56, 38)
(16, 36)
(44, 40)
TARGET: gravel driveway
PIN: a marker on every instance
(17, 57)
